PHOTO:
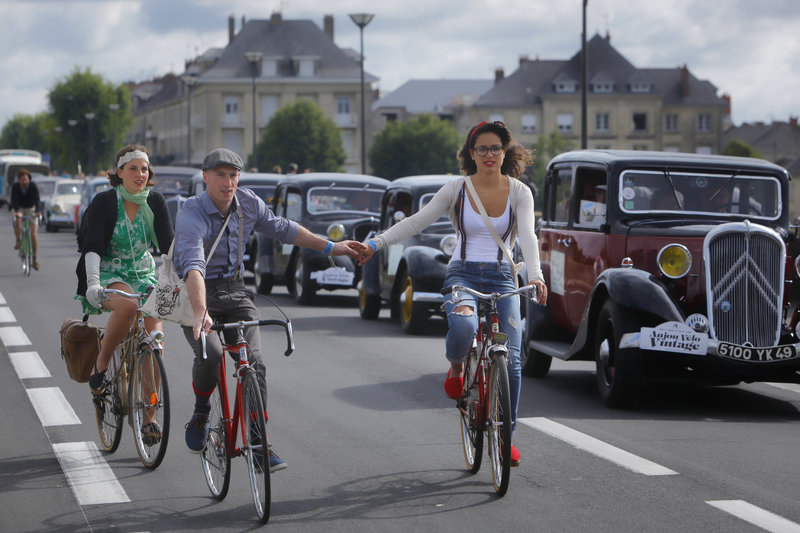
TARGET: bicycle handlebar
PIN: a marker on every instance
(285, 324)
(497, 295)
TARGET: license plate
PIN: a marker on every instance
(333, 276)
(751, 353)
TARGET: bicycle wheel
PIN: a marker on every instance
(471, 416)
(149, 407)
(257, 453)
(215, 457)
(499, 426)
(108, 415)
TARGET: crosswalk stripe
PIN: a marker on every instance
(6, 315)
(597, 447)
(89, 475)
(52, 407)
(28, 365)
(14, 336)
(756, 515)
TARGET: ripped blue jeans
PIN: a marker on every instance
(486, 278)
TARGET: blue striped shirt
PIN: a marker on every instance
(199, 222)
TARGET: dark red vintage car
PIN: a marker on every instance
(665, 265)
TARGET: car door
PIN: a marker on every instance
(400, 201)
(288, 205)
(554, 240)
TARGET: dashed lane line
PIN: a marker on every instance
(6, 315)
(52, 407)
(597, 447)
(12, 336)
(28, 365)
(89, 475)
(756, 515)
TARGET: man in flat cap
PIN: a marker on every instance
(216, 289)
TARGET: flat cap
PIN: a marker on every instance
(222, 156)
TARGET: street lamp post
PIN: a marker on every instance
(72, 123)
(254, 58)
(90, 120)
(361, 20)
(190, 81)
(585, 69)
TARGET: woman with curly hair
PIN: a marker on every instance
(120, 225)
(492, 161)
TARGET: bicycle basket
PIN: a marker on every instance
(80, 346)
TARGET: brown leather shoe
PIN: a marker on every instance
(17, 246)
(35, 264)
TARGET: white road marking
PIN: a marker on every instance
(756, 516)
(89, 475)
(29, 365)
(52, 407)
(597, 447)
(14, 336)
(2, 299)
(786, 386)
(6, 315)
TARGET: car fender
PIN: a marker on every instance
(371, 279)
(637, 289)
(427, 267)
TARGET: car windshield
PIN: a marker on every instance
(171, 184)
(68, 188)
(100, 187)
(700, 193)
(262, 191)
(330, 199)
(425, 200)
(46, 188)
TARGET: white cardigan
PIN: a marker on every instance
(444, 201)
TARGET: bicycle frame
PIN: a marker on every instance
(26, 244)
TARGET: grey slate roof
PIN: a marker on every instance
(286, 39)
(434, 96)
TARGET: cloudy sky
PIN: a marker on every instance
(748, 49)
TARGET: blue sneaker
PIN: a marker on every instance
(275, 462)
(197, 432)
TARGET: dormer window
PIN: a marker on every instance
(305, 66)
(602, 87)
(269, 68)
(566, 86)
(640, 87)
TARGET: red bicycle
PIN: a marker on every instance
(485, 405)
(249, 416)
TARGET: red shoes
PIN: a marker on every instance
(515, 456)
(453, 386)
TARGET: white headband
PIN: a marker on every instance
(136, 154)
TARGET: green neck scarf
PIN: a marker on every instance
(140, 199)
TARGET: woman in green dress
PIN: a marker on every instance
(117, 231)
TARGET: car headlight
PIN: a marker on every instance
(674, 260)
(58, 209)
(336, 232)
(448, 244)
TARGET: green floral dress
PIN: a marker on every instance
(127, 259)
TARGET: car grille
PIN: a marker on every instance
(744, 265)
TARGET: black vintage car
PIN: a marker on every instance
(666, 265)
(409, 275)
(333, 205)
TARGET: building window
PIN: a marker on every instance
(232, 140)
(705, 150)
(390, 117)
(602, 87)
(704, 123)
(348, 138)
(269, 68)
(529, 123)
(496, 118)
(640, 87)
(343, 114)
(672, 149)
(640, 122)
(601, 123)
(269, 105)
(566, 87)
(306, 68)
(232, 116)
(671, 123)
(564, 121)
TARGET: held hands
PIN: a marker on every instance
(541, 289)
(366, 254)
(353, 249)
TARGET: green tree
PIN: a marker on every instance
(546, 148)
(741, 149)
(423, 145)
(300, 133)
(70, 100)
(25, 131)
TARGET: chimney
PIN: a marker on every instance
(244, 21)
(523, 59)
(327, 25)
(727, 98)
(275, 19)
(498, 75)
(231, 28)
(792, 121)
(684, 81)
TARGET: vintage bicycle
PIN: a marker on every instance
(248, 416)
(137, 388)
(485, 404)
(26, 244)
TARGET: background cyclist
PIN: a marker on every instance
(25, 201)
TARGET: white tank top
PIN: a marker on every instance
(481, 246)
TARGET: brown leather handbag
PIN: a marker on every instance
(80, 346)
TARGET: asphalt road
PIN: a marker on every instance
(373, 443)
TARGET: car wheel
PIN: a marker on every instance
(618, 371)
(369, 305)
(535, 364)
(305, 287)
(48, 227)
(412, 314)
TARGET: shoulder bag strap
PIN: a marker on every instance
(238, 274)
(514, 266)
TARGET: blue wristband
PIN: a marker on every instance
(329, 248)
(373, 245)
